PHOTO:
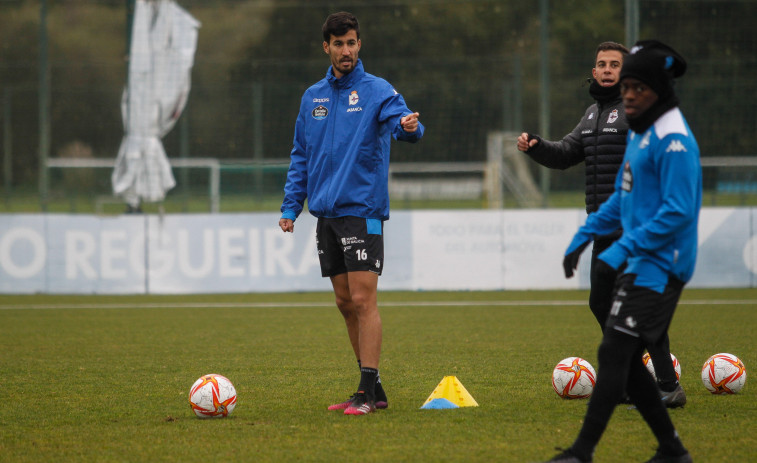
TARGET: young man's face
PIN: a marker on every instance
(607, 67)
(343, 52)
(637, 97)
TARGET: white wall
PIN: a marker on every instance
(424, 250)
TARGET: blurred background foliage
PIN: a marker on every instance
(469, 67)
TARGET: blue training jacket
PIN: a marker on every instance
(658, 195)
(340, 158)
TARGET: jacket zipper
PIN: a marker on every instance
(330, 197)
(596, 155)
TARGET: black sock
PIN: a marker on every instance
(583, 447)
(647, 400)
(379, 389)
(673, 447)
(658, 419)
(368, 382)
(380, 394)
(614, 355)
(664, 370)
(667, 386)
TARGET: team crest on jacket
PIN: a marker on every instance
(613, 116)
(320, 112)
(627, 177)
(354, 98)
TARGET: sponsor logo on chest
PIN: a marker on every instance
(320, 112)
(353, 99)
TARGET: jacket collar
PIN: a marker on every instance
(346, 80)
(644, 121)
(604, 95)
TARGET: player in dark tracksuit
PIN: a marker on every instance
(657, 198)
(599, 141)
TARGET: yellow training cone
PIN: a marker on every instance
(450, 393)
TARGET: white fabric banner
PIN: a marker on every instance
(163, 42)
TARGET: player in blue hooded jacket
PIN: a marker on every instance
(657, 198)
(340, 164)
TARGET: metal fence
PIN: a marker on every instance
(470, 68)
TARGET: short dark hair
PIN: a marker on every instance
(338, 24)
(604, 46)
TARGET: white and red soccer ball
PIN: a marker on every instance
(723, 374)
(573, 378)
(212, 396)
(650, 366)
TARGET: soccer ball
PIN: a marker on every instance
(573, 378)
(212, 396)
(650, 366)
(723, 374)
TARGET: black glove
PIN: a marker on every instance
(533, 137)
(570, 262)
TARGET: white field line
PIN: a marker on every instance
(284, 305)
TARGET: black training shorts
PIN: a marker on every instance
(349, 244)
(641, 312)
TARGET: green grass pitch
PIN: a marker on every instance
(106, 378)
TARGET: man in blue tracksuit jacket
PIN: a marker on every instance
(340, 159)
(657, 198)
(340, 164)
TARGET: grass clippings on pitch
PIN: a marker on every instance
(105, 378)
